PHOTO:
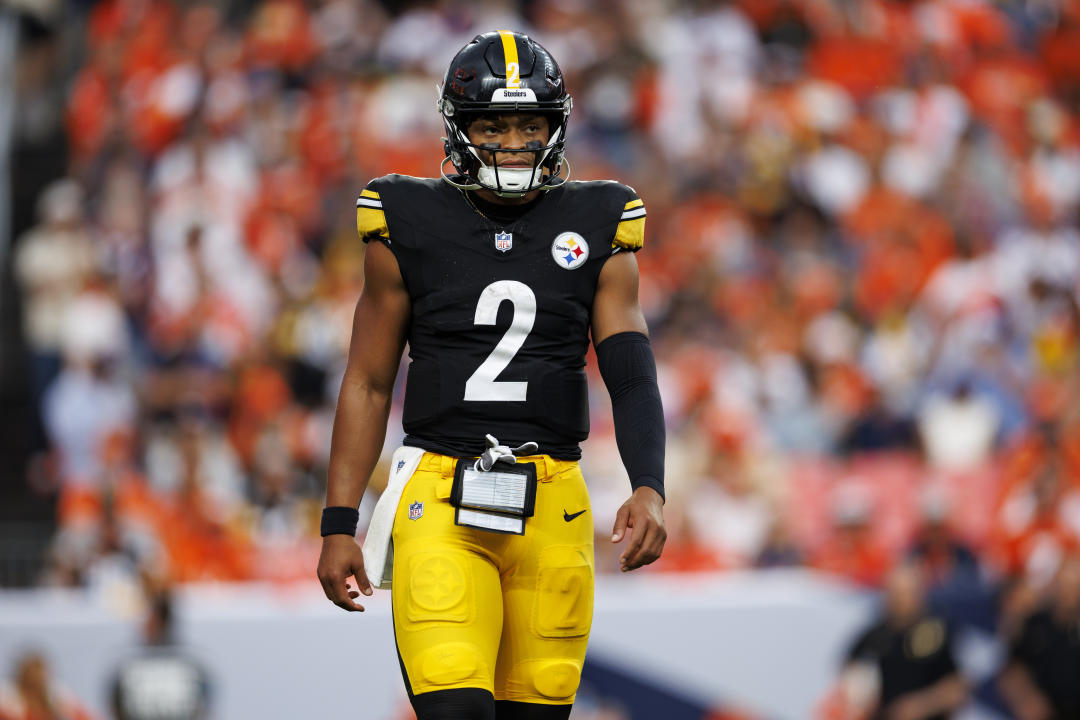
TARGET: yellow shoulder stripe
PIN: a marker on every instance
(369, 194)
(633, 204)
(630, 234)
(371, 222)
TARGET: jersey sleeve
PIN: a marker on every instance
(370, 218)
(630, 232)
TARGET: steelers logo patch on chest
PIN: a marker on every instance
(569, 250)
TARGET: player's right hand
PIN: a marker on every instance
(341, 558)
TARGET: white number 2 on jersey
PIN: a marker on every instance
(482, 385)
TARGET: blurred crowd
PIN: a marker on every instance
(861, 271)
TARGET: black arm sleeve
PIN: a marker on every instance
(629, 371)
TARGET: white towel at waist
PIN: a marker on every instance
(379, 542)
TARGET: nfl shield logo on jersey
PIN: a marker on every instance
(504, 241)
(416, 510)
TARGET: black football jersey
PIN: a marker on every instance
(909, 659)
(501, 309)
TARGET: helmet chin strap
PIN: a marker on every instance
(450, 179)
(510, 182)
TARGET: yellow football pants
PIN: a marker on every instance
(506, 613)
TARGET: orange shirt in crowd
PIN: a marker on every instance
(201, 546)
(861, 65)
(855, 554)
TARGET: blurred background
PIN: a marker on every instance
(861, 276)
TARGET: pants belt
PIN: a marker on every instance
(547, 467)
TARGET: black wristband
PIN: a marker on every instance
(339, 521)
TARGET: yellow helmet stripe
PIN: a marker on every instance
(513, 70)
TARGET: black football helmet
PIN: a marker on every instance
(503, 72)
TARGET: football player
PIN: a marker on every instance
(495, 274)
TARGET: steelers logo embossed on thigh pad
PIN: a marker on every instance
(437, 583)
(569, 250)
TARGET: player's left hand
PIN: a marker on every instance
(643, 514)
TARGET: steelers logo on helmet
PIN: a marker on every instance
(570, 250)
(503, 72)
